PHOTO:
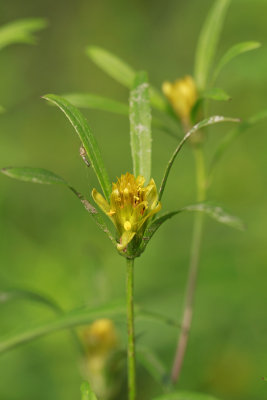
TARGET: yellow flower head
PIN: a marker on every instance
(182, 94)
(131, 206)
(100, 337)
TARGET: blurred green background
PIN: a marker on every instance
(48, 242)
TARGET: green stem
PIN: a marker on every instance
(193, 268)
(130, 324)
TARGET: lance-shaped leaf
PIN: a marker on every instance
(71, 319)
(140, 126)
(93, 101)
(152, 364)
(206, 122)
(214, 211)
(233, 52)
(87, 138)
(43, 176)
(20, 31)
(208, 41)
(7, 295)
(123, 73)
(184, 395)
(231, 136)
(87, 392)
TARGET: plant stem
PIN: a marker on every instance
(130, 325)
(193, 268)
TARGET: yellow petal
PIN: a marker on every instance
(100, 201)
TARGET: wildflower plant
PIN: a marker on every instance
(133, 201)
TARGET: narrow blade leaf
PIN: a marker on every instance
(123, 73)
(182, 395)
(214, 211)
(87, 138)
(216, 94)
(208, 42)
(231, 136)
(140, 126)
(92, 101)
(206, 122)
(233, 52)
(34, 175)
(20, 31)
(112, 65)
(43, 176)
(69, 320)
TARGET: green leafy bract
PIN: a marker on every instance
(215, 94)
(140, 126)
(87, 138)
(87, 393)
(208, 42)
(213, 210)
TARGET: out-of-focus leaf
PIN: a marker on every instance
(112, 65)
(68, 320)
(214, 211)
(87, 393)
(43, 176)
(233, 52)
(20, 31)
(123, 73)
(140, 126)
(146, 315)
(232, 135)
(206, 122)
(208, 41)
(215, 94)
(152, 364)
(8, 295)
(87, 138)
(2, 109)
(183, 395)
(93, 101)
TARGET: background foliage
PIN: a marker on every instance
(49, 243)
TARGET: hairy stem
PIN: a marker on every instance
(130, 325)
(193, 268)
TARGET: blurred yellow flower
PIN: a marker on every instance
(100, 337)
(131, 206)
(182, 94)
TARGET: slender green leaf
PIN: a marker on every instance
(40, 175)
(214, 211)
(71, 319)
(34, 175)
(87, 138)
(206, 122)
(112, 65)
(124, 74)
(215, 94)
(8, 295)
(20, 31)
(208, 41)
(87, 393)
(231, 136)
(152, 364)
(140, 126)
(93, 101)
(184, 395)
(146, 315)
(233, 52)
(78, 317)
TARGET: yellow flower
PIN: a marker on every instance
(100, 337)
(131, 206)
(182, 94)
